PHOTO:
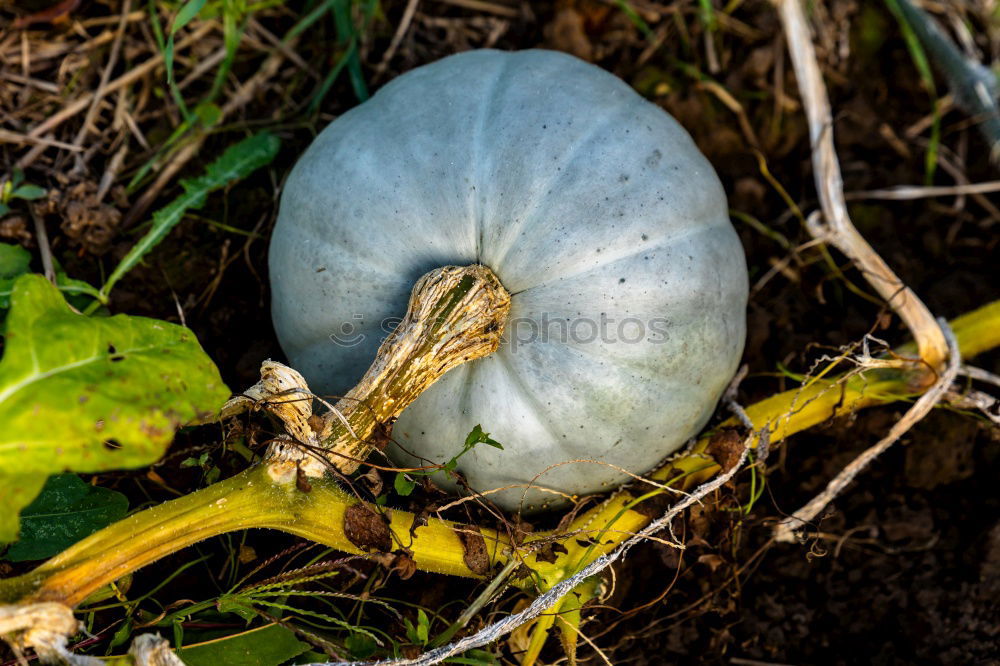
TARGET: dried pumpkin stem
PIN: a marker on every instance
(456, 314)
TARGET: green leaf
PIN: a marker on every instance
(123, 634)
(208, 114)
(266, 646)
(361, 646)
(67, 285)
(14, 261)
(236, 163)
(474, 658)
(90, 394)
(29, 192)
(423, 626)
(236, 604)
(186, 14)
(403, 485)
(411, 631)
(477, 436)
(66, 511)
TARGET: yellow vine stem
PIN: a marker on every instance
(254, 499)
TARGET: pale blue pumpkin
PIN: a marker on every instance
(592, 206)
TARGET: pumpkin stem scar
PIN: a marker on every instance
(456, 314)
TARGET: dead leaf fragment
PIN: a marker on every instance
(726, 446)
(566, 33)
(55, 14)
(476, 556)
(711, 560)
(87, 222)
(367, 529)
(550, 552)
(403, 564)
(15, 228)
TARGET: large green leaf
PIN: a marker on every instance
(90, 394)
(266, 646)
(66, 511)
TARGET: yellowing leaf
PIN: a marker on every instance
(88, 394)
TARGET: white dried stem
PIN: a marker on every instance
(283, 392)
(785, 530)
(837, 228)
(910, 192)
(985, 403)
(45, 628)
(980, 375)
(153, 650)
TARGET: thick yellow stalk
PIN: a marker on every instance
(249, 499)
(254, 499)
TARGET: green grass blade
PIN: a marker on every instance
(235, 164)
(309, 19)
(346, 31)
(331, 77)
(186, 14)
(920, 61)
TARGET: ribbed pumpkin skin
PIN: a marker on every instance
(584, 199)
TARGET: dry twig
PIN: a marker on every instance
(785, 530)
(102, 86)
(907, 192)
(934, 340)
(397, 38)
(837, 228)
(84, 100)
